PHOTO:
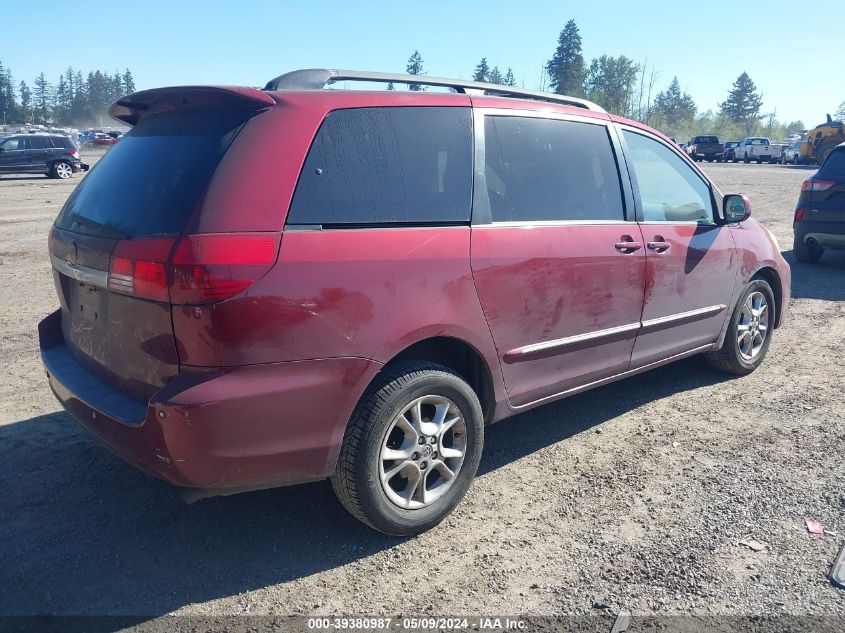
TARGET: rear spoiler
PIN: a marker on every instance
(131, 108)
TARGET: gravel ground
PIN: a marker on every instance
(636, 495)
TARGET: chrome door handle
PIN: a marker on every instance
(627, 245)
(658, 245)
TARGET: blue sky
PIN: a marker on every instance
(249, 42)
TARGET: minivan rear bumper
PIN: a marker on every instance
(218, 429)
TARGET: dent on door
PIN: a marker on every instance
(563, 302)
(689, 284)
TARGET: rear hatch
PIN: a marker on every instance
(114, 237)
(823, 195)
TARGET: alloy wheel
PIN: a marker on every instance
(753, 326)
(64, 171)
(422, 452)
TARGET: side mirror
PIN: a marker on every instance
(735, 208)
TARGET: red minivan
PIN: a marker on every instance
(266, 287)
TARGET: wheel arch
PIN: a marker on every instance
(771, 277)
(459, 356)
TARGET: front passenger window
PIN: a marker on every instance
(12, 144)
(670, 190)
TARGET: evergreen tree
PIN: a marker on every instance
(98, 94)
(610, 83)
(63, 100)
(743, 103)
(495, 76)
(481, 71)
(80, 98)
(26, 103)
(840, 112)
(115, 84)
(509, 78)
(128, 83)
(43, 99)
(8, 99)
(415, 67)
(674, 107)
(70, 78)
(566, 67)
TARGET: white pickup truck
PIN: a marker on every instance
(757, 148)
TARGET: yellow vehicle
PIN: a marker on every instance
(821, 140)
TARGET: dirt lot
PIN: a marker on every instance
(639, 491)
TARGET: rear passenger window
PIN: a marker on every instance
(387, 165)
(59, 142)
(38, 142)
(546, 170)
(670, 190)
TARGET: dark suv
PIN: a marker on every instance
(53, 155)
(820, 214)
(265, 287)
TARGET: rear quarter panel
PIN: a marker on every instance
(365, 293)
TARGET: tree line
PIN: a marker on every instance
(73, 99)
(625, 87)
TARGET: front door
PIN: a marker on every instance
(690, 260)
(13, 155)
(558, 269)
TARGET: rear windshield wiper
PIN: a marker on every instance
(105, 228)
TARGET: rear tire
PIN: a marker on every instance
(399, 414)
(749, 331)
(806, 253)
(61, 169)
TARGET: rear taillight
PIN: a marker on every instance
(816, 185)
(74, 153)
(217, 266)
(192, 269)
(139, 268)
(799, 215)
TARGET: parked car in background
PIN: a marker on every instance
(53, 155)
(104, 139)
(728, 154)
(359, 301)
(88, 136)
(705, 148)
(819, 222)
(792, 153)
(757, 148)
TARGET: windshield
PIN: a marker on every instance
(149, 182)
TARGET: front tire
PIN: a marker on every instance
(749, 331)
(411, 448)
(806, 253)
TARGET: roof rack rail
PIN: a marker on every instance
(318, 78)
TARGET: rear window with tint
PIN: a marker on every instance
(834, 167)
(708, 139)
(61, 142)
(149, 182)
(550, 170)
(367, 166)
